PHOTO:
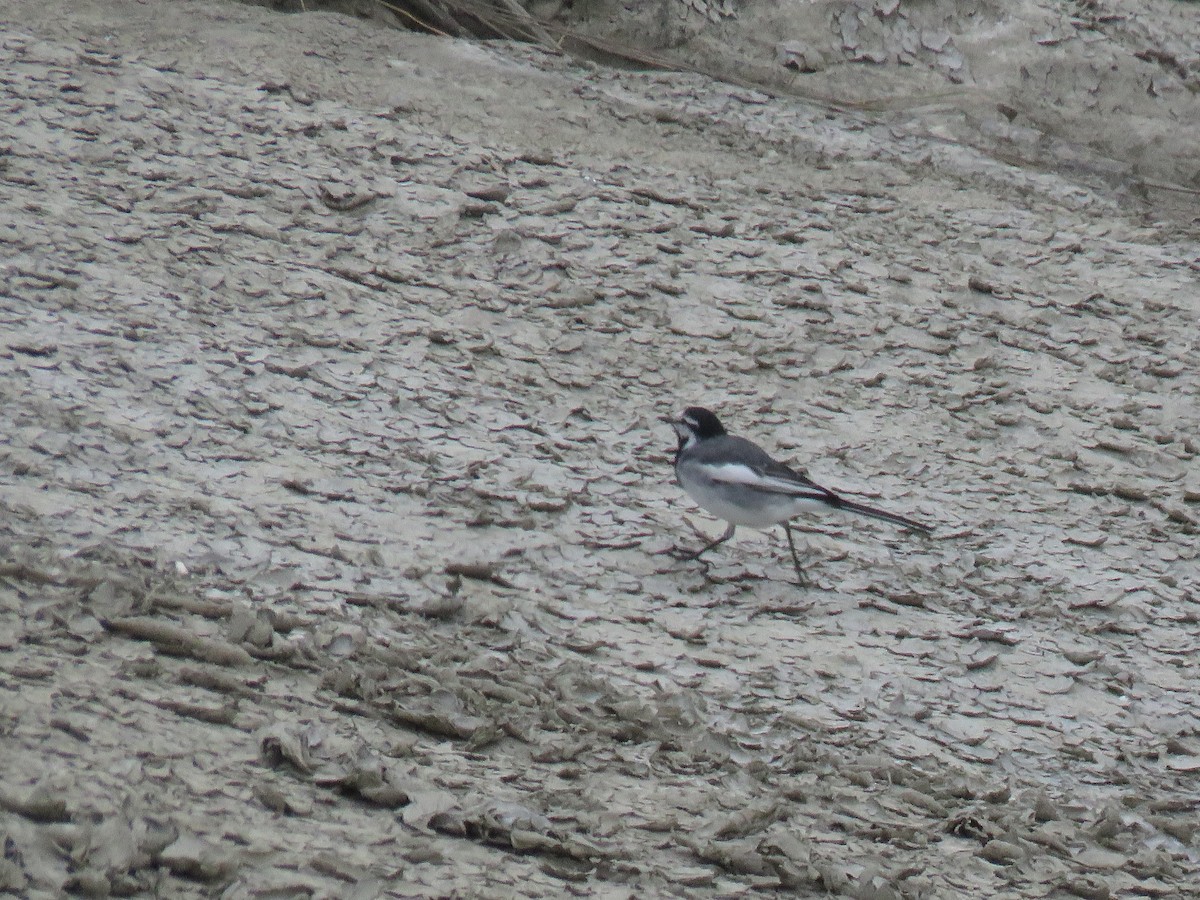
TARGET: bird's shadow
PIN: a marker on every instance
(687, 562)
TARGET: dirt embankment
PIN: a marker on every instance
(335, 496)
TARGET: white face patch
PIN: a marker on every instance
(685, 432)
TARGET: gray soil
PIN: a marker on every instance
(336, 504)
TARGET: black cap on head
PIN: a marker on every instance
(704, 423)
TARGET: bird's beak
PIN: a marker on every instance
(675, 423)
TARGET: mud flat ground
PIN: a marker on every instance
(335, 500)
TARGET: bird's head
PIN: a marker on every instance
(696, 424)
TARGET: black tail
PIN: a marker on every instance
(874, 513)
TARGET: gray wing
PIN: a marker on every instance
(735, 460)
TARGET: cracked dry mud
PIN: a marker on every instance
(336, 501)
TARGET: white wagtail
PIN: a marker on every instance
(738, 481)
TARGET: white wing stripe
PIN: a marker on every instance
(737, 473)
(732, 473)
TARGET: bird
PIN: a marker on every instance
(738, 481)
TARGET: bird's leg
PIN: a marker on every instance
(800, 579)
(688, 554)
